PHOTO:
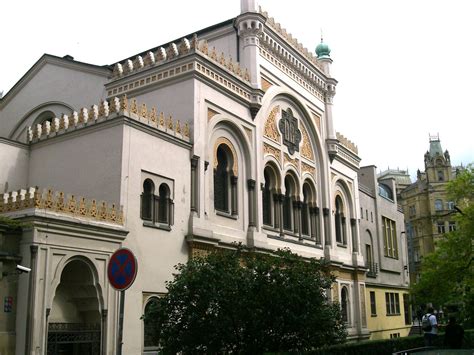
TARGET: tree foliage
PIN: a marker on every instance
(448, 273)
(246, 302)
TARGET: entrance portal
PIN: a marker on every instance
(74, 323)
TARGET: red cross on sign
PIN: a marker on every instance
(122, 269)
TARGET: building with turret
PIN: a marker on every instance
(224, 136)
(428, 211)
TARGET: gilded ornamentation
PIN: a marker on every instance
(124, 103)
(49, 199)
(306, 150)
(211, 113)
(144, 111)
(133, 107)
(290, 161)
(288, 125)
(214, 54)
(230, 146)
(60, 206)
(162, 119)
(306, 168)
(194, 41)
(178, 127)
(93, 209)
(222, 59)
(204, 47)
(265, 84)
(270, 150)
(102, 214)
(170, 123)
(270, 129)
(71, 204)
(82, 207)
(186, 130)
(153, 117)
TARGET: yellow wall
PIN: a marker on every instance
(382, 325)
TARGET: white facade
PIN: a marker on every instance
(197, 158)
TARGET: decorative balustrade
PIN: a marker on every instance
(107, 110)
(347, 143)
(185, 46)
(57, 201)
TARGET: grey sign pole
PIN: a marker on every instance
(120, 325)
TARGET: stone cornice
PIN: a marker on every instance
(13, 143)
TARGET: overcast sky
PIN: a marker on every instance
(405, 68)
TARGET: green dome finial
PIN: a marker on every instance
(323, 50)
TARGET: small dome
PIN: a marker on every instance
(323, 50)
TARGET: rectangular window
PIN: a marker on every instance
(406, 309)
(450, 205)
(441, 228)
(366, 214)
(452, 226)
(361, 213)
(389, 230)
(371, 217)
(373, 304)
(392, 301)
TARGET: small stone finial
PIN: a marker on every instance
(222, 59)
(55, 124)
(204, 47)
(162, 119)
(118, 70)
(170, 122)
(150, 58)
(139, 62)
(104, 109)
(153, 117)
(161, 54)
(115, 105)
(39, 130)
(29, 134)
(94, 112)
(83, 115)
(184, 47)
(64, 122)
(178, 127)
(213, 54)
(173, 50)
(186, 130)
(128, 66)
(194, 41)
(47, 127)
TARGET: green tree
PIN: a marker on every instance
(448, 273)
(247, 302)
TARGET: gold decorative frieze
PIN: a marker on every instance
(211, 113)
(271, 150)
(270, 129)
(347, 143)
(58, 202)
(265, 84)
(105, 111)
(306, 168)
(288, 160)
(230, 146)
(306, 150)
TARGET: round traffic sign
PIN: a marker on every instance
(122, 269)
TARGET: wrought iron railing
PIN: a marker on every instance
(373, 269)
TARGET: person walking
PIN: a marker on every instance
(429, 324)
(454, 334)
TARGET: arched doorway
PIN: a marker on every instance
(74, 323)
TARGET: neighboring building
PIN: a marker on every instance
(428, 212)
(401, 177)
(193, 151)
(384, 248)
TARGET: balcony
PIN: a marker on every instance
(373, 269)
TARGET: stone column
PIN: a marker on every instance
(252, 207)
(194, 183)
(297, 218)
(327, 229)
(281, 199)
(233, 183)
(344, 230)
(104, 331)
(30, 319)
(355, 244)
(276, 211)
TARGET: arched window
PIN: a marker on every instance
(151, 325)
(221, 182)
(44, 116)
(225, 182)
(164, 204)
(267, 197)
(147, 200)
(288, 204)
(340, 221)
(438, 205)
(158, 209)
(305, 215)
(345, 304)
